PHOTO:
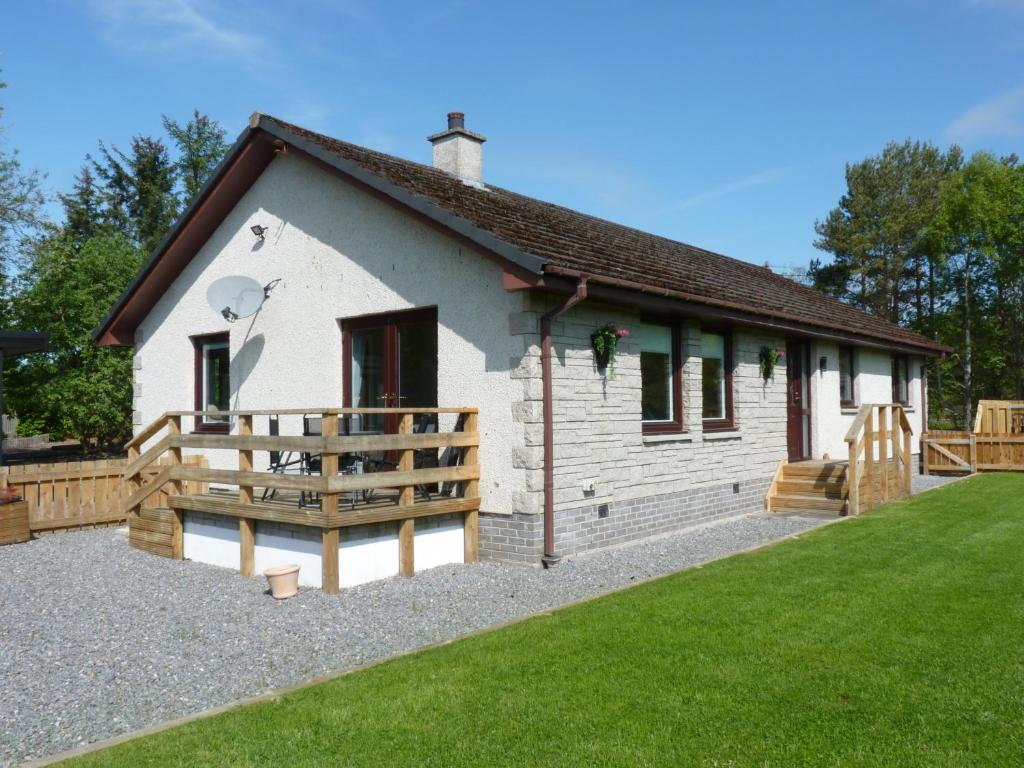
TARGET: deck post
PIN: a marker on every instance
(883, 452)
(471, 524)
(907, 472)
(177, 516)
(897, 451)
(406, 498)
(869, 458)
(330, 575)
(853, 479)
(246, 526)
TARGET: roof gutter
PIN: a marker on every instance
(727, 311)
(550, 558)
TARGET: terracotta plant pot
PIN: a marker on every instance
(284, 581)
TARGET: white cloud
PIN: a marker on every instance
(761, 179)
(196, 26)
(1000, 116)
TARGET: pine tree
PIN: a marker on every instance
(83, 207)
(139, 200)
(200, 144)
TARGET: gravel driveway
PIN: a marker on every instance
(97, 638)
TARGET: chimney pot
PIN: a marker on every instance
(456, 120)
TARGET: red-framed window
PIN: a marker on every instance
(717, 379)
(847, 377)
(900, 379)
(661, 379)
(212, 381)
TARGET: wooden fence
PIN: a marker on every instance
(999, 417)
(947, 451)
(75, 494)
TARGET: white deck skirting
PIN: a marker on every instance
(365, 552)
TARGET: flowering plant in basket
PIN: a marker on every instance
(605, 340)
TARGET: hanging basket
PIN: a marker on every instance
(605, 341)
(767, 359)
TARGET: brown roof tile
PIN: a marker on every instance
(565, 238)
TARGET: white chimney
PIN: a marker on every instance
(458, 151)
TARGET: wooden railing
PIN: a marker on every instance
(879, 456)
(329, 486)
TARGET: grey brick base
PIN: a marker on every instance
(515, 538)
(519, 538)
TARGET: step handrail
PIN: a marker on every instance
(893, 434)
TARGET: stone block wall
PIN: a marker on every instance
(613, 483)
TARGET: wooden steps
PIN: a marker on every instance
(151, 530)
(809, 487)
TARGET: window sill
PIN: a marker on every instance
(668, 437)
(722, 434)
(849, 410)
(212, 429)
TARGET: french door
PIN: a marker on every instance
(389, 361)
(798, 400)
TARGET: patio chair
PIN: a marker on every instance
(424, 426)
(311, 463)
(453, 457)
(280, 461)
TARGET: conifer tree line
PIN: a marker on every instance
(935, 241)
(63, 276)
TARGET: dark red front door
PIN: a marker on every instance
(798, 400)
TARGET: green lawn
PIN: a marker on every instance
(893, 639)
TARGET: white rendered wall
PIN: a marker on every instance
(289, 544)
(439, 541)
(873, 370)
(367, 553)
(212, 539)
(339, 253)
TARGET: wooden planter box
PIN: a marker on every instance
(14, 523)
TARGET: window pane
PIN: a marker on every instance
(656, 378)
(655, 372)
(367, 366)
(899, 379)
(714, 389)
(713, 375)
(846, 375)
(216, 380)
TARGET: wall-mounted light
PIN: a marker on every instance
(259, 230)
(822, 364)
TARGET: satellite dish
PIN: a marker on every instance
(236, 296)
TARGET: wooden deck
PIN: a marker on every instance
(162, 487)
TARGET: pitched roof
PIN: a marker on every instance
(562, 237)
(548, 239)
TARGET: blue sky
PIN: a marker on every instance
(722, 124)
